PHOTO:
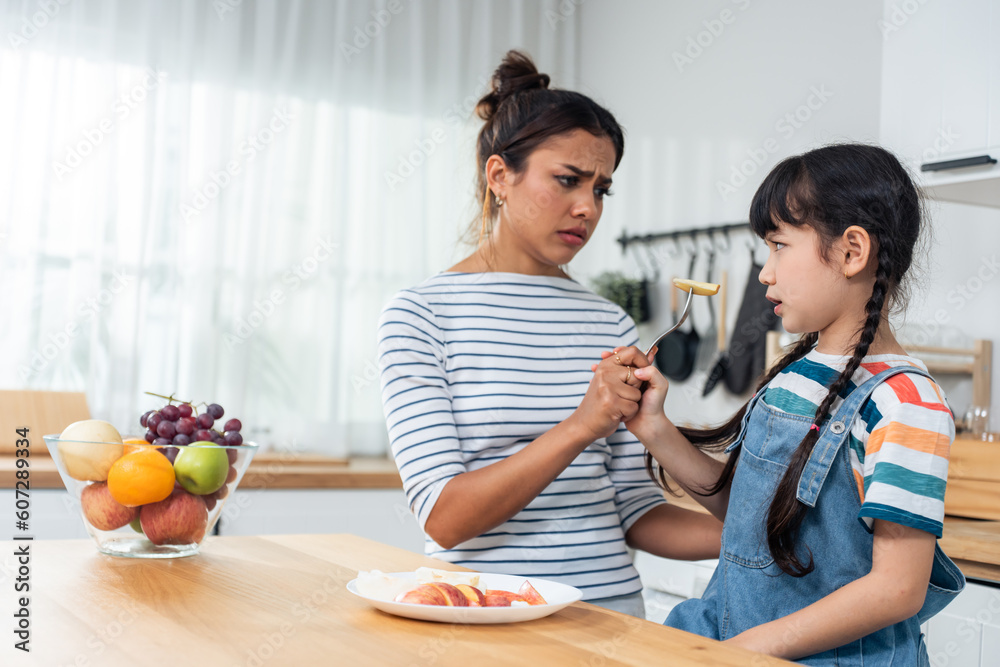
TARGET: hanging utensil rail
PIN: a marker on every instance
(625, 240)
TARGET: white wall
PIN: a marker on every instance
(689, 124)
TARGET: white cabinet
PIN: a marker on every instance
(378, 514)
(941, 92)
(967, 632)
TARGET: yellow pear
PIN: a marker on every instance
(88, 448)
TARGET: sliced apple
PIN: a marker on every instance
(425, 594)
(496, 601)
(512, 597)
(701, 289)
(529, 594)
(444, 595)
(474, 595)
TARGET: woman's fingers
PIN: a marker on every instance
(630, 356)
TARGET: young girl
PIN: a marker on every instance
(837, 465)
(511, 451)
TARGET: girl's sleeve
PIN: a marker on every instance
(417, 401)
(635, 492)
(905, 467)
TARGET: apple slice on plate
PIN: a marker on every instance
(553, 596)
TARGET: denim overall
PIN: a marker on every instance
(748, 589)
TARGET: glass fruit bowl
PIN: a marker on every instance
(149, 501)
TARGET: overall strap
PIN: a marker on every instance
(746, 420)
(836, 431)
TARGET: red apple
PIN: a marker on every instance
(179, 519)
(102, 511)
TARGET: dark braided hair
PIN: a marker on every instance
(829, 189)
(716, 439)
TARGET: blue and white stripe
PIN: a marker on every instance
(476, 366)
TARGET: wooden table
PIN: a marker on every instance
(282, 600)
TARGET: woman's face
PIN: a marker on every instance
(551, 209)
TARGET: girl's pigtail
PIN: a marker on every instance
(786, 512)
(718, 438)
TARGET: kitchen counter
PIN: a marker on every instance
(974, 545)
(268, 470)
(282, 600)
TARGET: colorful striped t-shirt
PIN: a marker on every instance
(474, 367)
(900, 442)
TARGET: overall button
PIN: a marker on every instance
(837, 427)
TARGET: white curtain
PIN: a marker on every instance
(214, 198)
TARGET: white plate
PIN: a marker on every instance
(556, 595)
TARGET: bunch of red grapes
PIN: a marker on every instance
(180, 425)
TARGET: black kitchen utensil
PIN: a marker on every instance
(744, 361)
(709, 341)
(678, 349)
(721, 363)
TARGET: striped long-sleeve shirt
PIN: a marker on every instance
(476, 366)
(899, 443)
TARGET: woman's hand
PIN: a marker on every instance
(649, 421)
(612, 397)
(684, 463)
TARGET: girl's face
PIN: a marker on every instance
(810, 294)
(551, 209)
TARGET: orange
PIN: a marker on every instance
(133, 444)
(140, 477)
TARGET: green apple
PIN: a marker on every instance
(136, 525)
(201, 467)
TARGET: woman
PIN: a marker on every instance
(512, 451)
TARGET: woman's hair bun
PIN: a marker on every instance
(516, 73)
